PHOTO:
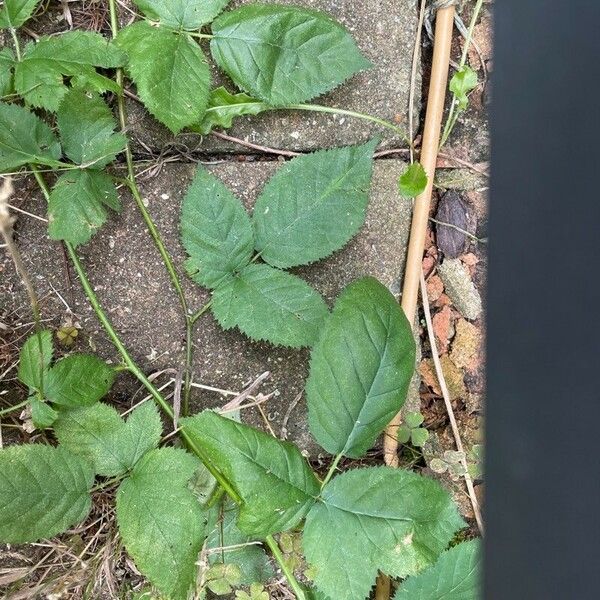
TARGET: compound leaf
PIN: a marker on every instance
(223, 107)
(170, 72)
(182, 14)
(455, 576)
(376, 519)
(313, 205)
(16, 12)
(215, 230)
(284, 55)
(413, 181)
(87, 130)
(34, 359)
(112, 445)
(161, 522)
(275, 483)
(269, 304)
(24, 138)
(39, 77)
(360, 369)
(7, 62)
(77, 205)
(43, 491)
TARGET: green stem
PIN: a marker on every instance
(13, 34)
(332, 470)
(10, 409)
(201, 311)
(202, 36)
(152, 229)
(278, 555)
(452, 113)
(348, 113)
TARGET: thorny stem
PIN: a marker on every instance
(452, 113)
(332, 470)
(152, 229)
(277, 554)
(13, 34)
(10, 409)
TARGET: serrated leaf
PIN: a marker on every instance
(284, 55)
(79, 380)
(215, 230)
(42, 414)
(34, 359)
(413, 181)
(462, 83)
(87, 130)
(225, 543)
(376, 519)
(170, 72)
(313, 205)
(182, 14)
(24, 138)
(455, 576)
(43, 491)
(77, 205)
(112, 445)
(16, 12)
(273, 479)
(7, 62)
(223, 107)
(161, 522)
(39, 77)
(360, 369)
(269, 304)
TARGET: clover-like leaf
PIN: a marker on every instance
(413, 181)
(24, 138)
(455, 576)
(16, 12)
(170, 72)
(360, 369)
(112, 445)
(39, 76)
(313, 205)
(7, 62)
(35, 358)
(182, 14)
(43, 491)
(215, 230)
(161, 522)
(223, 107)
(376, 519)
(284, 54)
(273, 479)
(77, 205)
(87, 130)
(269, 304)
(462, 83)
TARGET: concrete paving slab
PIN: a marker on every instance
(133, 286)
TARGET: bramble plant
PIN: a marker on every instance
(170, 504)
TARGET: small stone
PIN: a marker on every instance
(460, 288)
(452, 239)
(443, 328)
(467, 351)
(452, 375)
(435, 288)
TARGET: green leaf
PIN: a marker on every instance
(16, 12)
(43, 491)
(39, 77)
(112, 445)
(7, 62)
(76, 208)
(42, 414)
(257, 592)
(182, 14)
(360, 369)
(223, 107)
(413, 419)
(215, 230)
(222, 578)
(79, 380)
(24, 138)
(87, 130)
(34, 359)
(269, 304)
(170, 72)
(419, 436)
(313, 205)
(413, 181)
(237, 547)
(284, 55)
(455, 576)
(161, 522)
(372, 519)
(273, 479)
(462, 83)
